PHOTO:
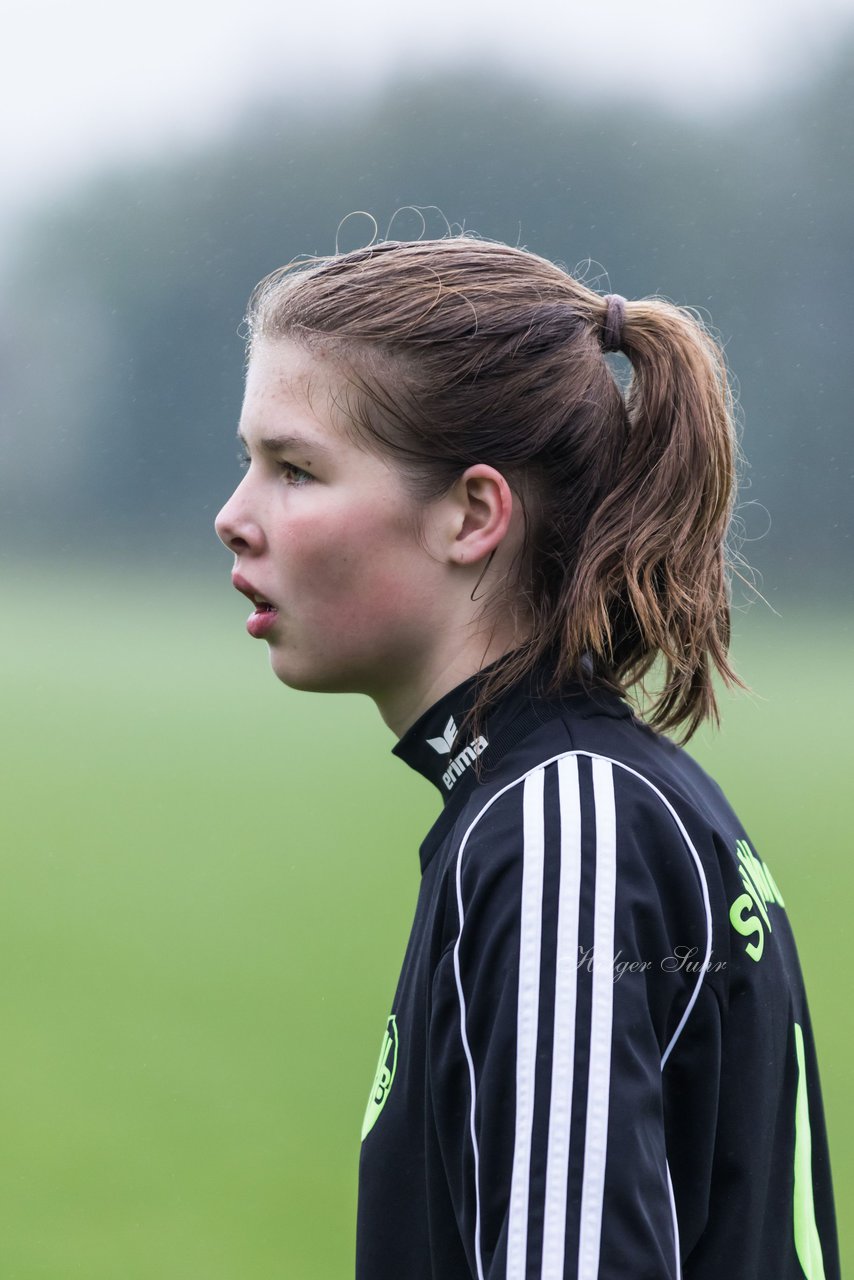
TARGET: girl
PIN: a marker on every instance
(598, 1061)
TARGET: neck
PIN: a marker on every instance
(402, 704)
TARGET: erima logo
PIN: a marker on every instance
(443, 745)
(461, 762)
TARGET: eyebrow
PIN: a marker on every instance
(290, 444)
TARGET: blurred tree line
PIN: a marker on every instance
(121, 361)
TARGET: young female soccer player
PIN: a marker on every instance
(598, 1061)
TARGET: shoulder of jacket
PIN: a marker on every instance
(647, 820)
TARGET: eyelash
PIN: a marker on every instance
(304, 476)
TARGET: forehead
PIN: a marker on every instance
(301, 402)
(290, 391)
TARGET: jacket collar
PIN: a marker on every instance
(432, 747)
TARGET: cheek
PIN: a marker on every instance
(363, 562)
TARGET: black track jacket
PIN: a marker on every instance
(598, 1061)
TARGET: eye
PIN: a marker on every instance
(300, 477)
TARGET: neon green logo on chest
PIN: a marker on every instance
(384, 1078)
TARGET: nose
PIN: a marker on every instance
(235, 527)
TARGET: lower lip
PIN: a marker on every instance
(261, 621)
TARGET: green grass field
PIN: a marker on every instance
(208, 885)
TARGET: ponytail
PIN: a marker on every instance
(651, 577)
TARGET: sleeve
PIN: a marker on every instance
(578, 962)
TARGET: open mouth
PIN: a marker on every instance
(263, 620)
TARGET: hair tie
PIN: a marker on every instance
(615, 318)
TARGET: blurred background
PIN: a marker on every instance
(209, 878)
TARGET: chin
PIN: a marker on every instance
(331, 679)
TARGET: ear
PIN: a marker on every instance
(481, 507)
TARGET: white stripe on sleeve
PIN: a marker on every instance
(527, 1016)
(566, 985)
(599, 1074)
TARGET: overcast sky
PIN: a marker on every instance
(84, 80)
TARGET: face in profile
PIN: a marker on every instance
(322, 532)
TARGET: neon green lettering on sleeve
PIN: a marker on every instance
(747, 926)
(807, 1242)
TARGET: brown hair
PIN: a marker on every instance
(465, 350)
